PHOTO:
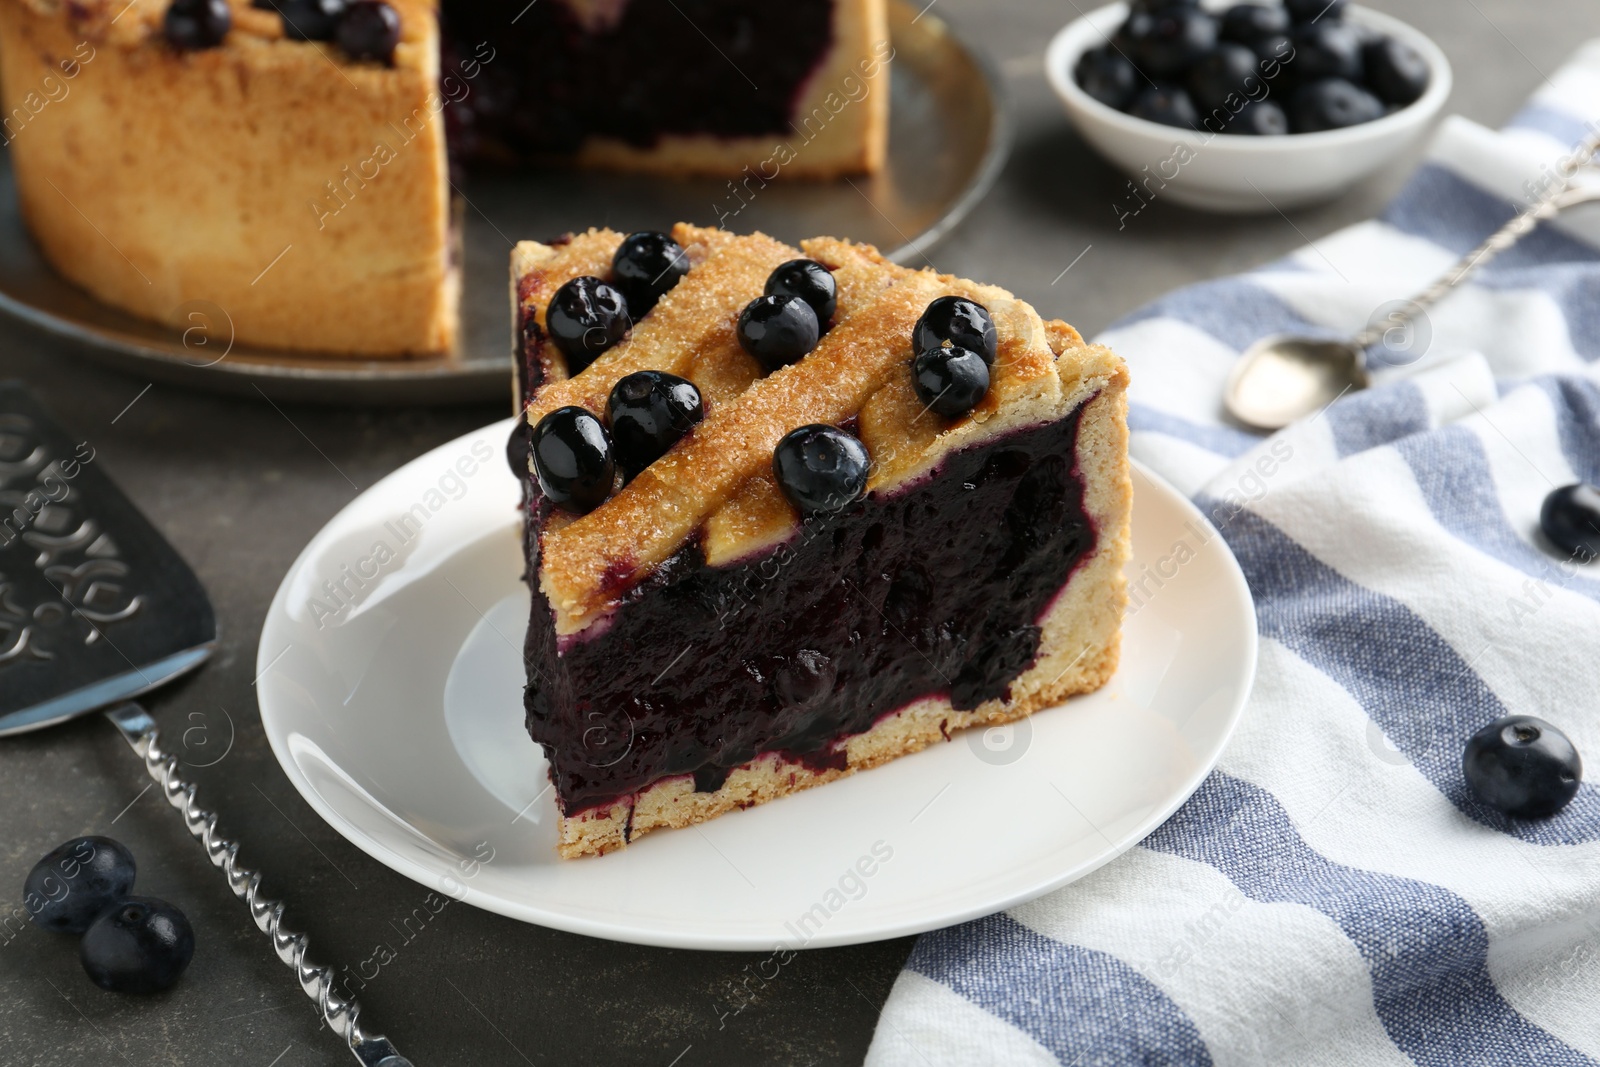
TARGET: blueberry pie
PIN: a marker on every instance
(756, 569)
(287, 162)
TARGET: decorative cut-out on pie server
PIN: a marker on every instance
(96, 608)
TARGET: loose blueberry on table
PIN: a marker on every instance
(957, 321)
(142, 945)
(811, 282)
(586, 317)
(820, 468)
(646, 267)
(370, 29)
(572, 459)
(778, 330)
(1522, 766)
(76, 881)
(649, 412)
(193, 25)
(1173, 63)
(1570, 518)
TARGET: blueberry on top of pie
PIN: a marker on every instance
(826, 569)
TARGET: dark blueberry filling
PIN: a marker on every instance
(728, 68)
(937, 589)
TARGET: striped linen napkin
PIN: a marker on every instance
(1333, 893)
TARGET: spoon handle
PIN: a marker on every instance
(139, 730)
(1502, 239)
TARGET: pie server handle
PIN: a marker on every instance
(139, 730)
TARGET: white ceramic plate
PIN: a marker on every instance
(391, 683)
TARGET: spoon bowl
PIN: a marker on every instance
(1283, 378)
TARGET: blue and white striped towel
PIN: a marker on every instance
(1333, 894)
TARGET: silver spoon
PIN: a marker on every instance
(1283, 377)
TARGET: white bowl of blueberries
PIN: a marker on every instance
(1248, 107)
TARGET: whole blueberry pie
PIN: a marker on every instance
(794, 512)
(285, 165)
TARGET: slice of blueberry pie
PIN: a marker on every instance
(793, 512)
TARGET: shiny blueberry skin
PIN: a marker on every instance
(586, 317)
(1326, 50)
(1223, 72)
(518, 448)
(1274, 54)
(139, 946)
(1134, 28)
(1331, 104)
(808, 280)
(821, 468)
(311, 20)
(76, 881)
(950, 381)
(1152, 6)
(649, 412)
(1319, 11)
(1260, 118)
(1396, 73)
(196, 24)
(962, 322)
(778, 330)
(1249, 23)
(370, 29)
(1107, 75)
(647, 265)
(572, 458)
(1570, 517)
(1522, 766)
(1174, 41)
(1166, 104)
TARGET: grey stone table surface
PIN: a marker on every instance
(240, 486)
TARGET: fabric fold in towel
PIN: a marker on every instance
(1333, 893)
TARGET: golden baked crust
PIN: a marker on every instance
(715, 484)
(590, 562)
(301, 192)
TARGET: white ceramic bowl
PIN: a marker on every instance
(1239, 173)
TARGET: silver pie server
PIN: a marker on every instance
(1283, 377)
(96, 608)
